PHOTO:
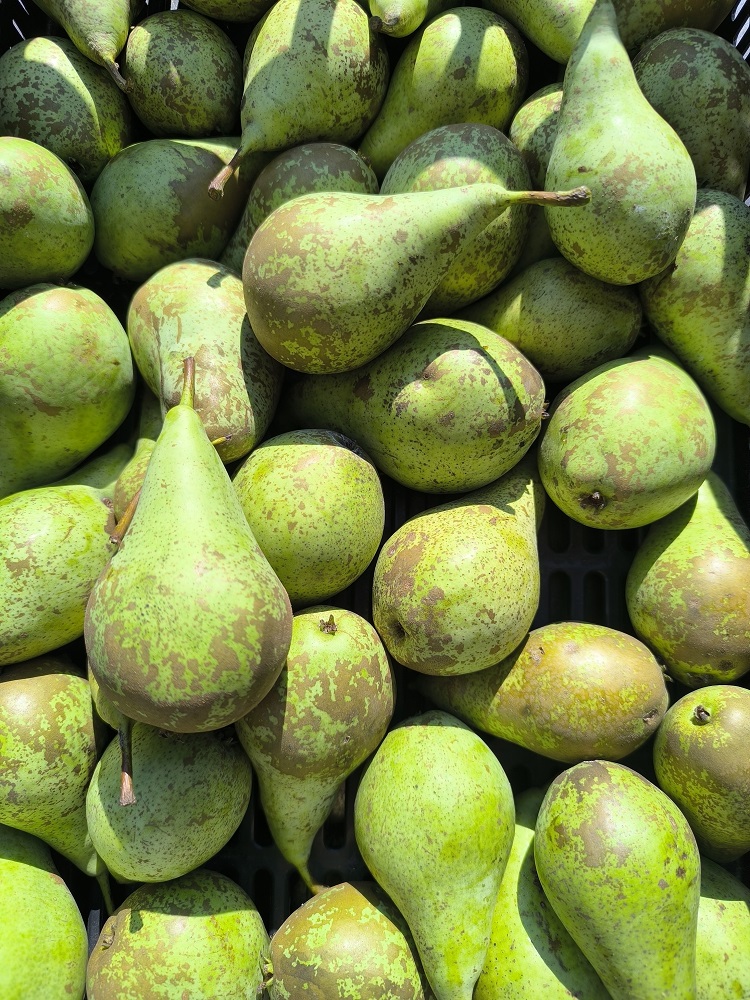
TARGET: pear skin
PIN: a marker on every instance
(399, 18)
(130, 480)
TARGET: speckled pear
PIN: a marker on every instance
(399, 18)
(433, 820)
(187, 628)
(571, 691)
(130, 480)
(723, 946)
(641, 176)
(620, 866)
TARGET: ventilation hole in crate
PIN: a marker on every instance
(557, 528)
(297, 890)
(595, 598)
(260, 832)
(559, 597)
(629, 539)
(592, 539)
(262, 895)
(334, 828)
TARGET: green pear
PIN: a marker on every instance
(700, 84)
(627, 443)
(184, 75)
(196, 307)
(456, 588)
(99, 31)
(699, 307)
(641, 20)
(49, 230)
(399, 18)
(686, 589)
(571, 691)
(151, 208)
(193, 790)
(620, 867)
(723, 965)
(452, 156)
(313, 70)
(55, 543)
(58, 405)
(130, 480)
(609, 138)
(233, 11)
(44, 950)
(534, 127)
(408, 410)
(531, 955)
(187, 627)
(53, 95)
(200, 933)
(333, 279)
(565, 321)
(328, 711)
(314, 502)
(311, 166)
(466, 64)
(350, 933)
(49, 754)
(701, 761)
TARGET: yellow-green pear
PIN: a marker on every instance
(130, 480)
(723, 946)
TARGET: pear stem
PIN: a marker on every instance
(216, 187)
(124, 523)
(125, 736)
(561, 199)
(117, 76)
(188, 384)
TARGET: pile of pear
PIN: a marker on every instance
(317, 323)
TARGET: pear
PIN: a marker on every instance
(723, 965)
(348, 933)
(534, 128)
(314, 502)
(53, 95)
(565, 321)
(196, 307)
(99, 31)
(408, 411)
(313, 70)
(233, 11)
(43, 954)
(52, 228)
(54, 543)
(332, 280)
(328, 711)
(399, 18)
(151, 208)
(466, 64)
(433, 820)
(531, 955)
(456, 588)
(184, 75)
(311, 166)
(193, 790)
(699, 307)
(130, 480)
(452, 156)
(58, 405)
(701, 761)
(627, 443)
(620, 867)
(187, 628)
(641, 20)
(609, 138)
(700, 84)
(49, 754)
(571, 691)
(687, 587)
(201, 933)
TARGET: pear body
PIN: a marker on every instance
(195, 307)
(531, 955)
(188, 626)
(44, 958)
(620, 866)
(534, 128)
(456, 588)
(314, 501)
(325, 715)
(687, 587)
(60, 404)
(234, 11)
(407, 411)
(465, 65)
(723, 965)
(53, 95)
(192, 790)
(49, 754)
(399, 18)
(433, 820)
(131, 478)
(565, 321)
(700, 762)
(452, 156)
(201, 933)
(350, 932)
(639, 213)
(628, 442)
(571, 691)
(699, 308)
